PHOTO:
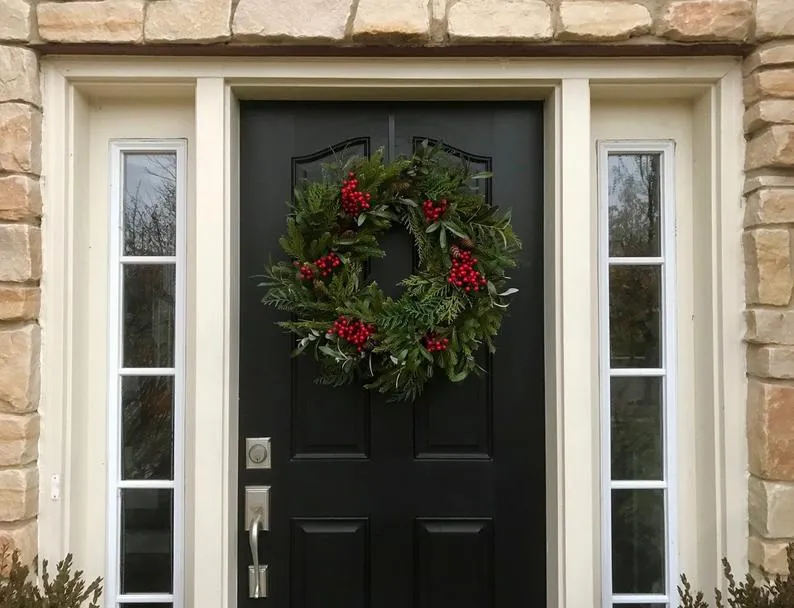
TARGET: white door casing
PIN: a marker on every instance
(202, 95)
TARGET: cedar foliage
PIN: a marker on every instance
(395, 361)
(65, 590)
(773, 593)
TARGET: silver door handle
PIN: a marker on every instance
(253, 540)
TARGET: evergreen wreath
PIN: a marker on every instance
(450, 307)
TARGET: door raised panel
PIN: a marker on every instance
(330, 563)
(326, 423)
(454, 563)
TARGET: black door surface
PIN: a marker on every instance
(435, 504)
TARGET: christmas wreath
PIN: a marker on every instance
(451, 306)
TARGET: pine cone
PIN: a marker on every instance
(455, 251)
(348, 234)
(467, 243)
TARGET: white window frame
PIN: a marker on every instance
(118, 149)
(666, 261)
(713, 85)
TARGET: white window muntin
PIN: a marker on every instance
(664, 371)
(119, 260)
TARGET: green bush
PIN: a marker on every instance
(775, 593)
(64, 590)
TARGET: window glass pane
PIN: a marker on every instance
(149, 315)
(150, 203)
(634, 316)
(638, 541)
(147, 427)
(634, 201)
(636, 412)
(147, 540)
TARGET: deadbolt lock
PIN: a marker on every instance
(257, 453)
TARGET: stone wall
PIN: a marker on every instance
(767, 25)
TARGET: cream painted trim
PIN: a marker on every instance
(573, 487)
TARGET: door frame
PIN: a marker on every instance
(572, 396)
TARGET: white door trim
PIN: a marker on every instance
(571, 320)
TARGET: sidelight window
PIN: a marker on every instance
(637, 365)
(147, 364)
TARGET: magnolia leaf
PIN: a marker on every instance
(433, 227)
(442, 237)
(455, 230)
(509, 292)
(361, 219)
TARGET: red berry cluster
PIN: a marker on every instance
(433, 343)
(353, 330)
(353, 200)
(327, 263)
(432, 210)
(325, 266)
(462, 273)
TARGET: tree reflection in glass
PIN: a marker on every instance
(149, 204)
(634, 205)
(147, 427)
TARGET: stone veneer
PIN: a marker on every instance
(767, 25)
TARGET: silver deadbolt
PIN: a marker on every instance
(257, 453)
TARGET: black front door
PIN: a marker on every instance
(435, 504)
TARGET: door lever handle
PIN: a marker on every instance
(255, 590)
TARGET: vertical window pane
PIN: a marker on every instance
(147, 405)
(147, 541)
(638, 541)
(149, 315)
(635, 316)
(634, 205)
(149, 203)
(636, 422)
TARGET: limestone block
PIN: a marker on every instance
(768, 266)
(771, 508)
(769, 326)
(387, 20)
(769, 361)
(18, 302)
(20, 197)
(768, 555)
(199, 21)
(19, 494)
(768, 112)
(19, 75)
(20, 138)
(726, 20)
(486, 20)
(18, 439)
(765, 180)
(84, 21)
(771, 148)
(770, 430)
(19, 369)
(15, 20)
(770, 54)
(774, 19)
(769, 83)
(306, 20)
(20, 252)
(593, 20)
(22, 537)
(770, 206)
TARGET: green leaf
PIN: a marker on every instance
(456, 230)
(433, 227)
(442, 238)
(482, 175)
(361, 219)
(509, 292)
